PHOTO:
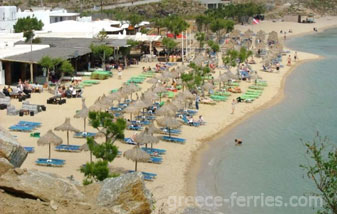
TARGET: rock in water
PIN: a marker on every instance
(40, 185)
(126, 194)
(11, 149)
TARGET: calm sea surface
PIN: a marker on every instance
(268, 162)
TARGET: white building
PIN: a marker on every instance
(49, 16)
(213, 4)
(7, 18)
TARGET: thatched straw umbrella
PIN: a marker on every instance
(248, 34)
(83, 113)
(229, 45)
(222, 79)
(159, 89)
(273, 37)
(98, 106)
(132, 109)
(66, 126)
(136, 154)
(132, 88)
(169, 123)
(153, 129)
(199, 59)
(145, 137)
(208, 86)
(168, 109)
(179, 102)
(235, 34)
(261, 35)
(49, 138)
(152, 80)
(150, 95)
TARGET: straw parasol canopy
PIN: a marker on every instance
(159, 89)
(199, 59)
(179, 102)
(261, 35)
(153, 129)
(235, 34)
(145, 137)
(136, 154)
(152, 80)
(188, 95)
(248, 34)
(98, 106)
(150, 95)
(169, 123)
(260, 45)
(132, 109)
(208, 86)
(168, 109)
(49, 138)
(83, 113)
(273, 37)
(66, 126)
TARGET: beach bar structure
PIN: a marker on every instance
(20, 64)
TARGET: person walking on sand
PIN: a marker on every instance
(197, 100)
(289, 60)
(233, 106)
(295, 56)
(119, 72)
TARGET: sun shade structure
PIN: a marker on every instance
(98, 106)
(83, 113)
(169, 123)
(132, 109)
(168, 109)
(145, 137)
(261, 35)
(66, 126)
(136, 154)
(48, 139)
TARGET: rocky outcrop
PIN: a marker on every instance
(11, 149)
(40, 185)
(126, 194)
(4, 165)
(40, 192)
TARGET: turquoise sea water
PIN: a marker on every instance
(268, 161)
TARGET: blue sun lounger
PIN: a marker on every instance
(84, 134)
(21, 128)
(141, 122)
(173, 139)
(188, 111)
(185, 120)
(67, 148)
(159, 151)
(172, 131)
(134, 128)
(28, 123)
(50, 162)
(29, 149)
(128, 140)
(157, 160)
(116, 109)
(147, 176)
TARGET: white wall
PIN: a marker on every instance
(7, 18)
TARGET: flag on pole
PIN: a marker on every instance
(256, 21)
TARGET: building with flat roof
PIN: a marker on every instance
(213, 4)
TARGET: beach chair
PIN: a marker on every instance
(35, 134)
(29, 149)
(27, 123)
(173, 139)
(116, 109)
(84, 134)
(171, 131)
(153, 150)
(185, 120)
(157, 160)
(50, 162)
(130, 141)
(147, 176)
(67, 148)
(21, 128)
(135, 127)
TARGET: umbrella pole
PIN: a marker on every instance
(131, 116)
(85, 123)
(68, 138)
(90, 156)
(49, 151)
(151, 146)
(136, 166)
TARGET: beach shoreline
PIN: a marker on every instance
(195, 163)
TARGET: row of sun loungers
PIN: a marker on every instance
(25, 126)
(50, 162)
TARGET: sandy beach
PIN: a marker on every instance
(176, 175)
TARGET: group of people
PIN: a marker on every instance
(71, 91)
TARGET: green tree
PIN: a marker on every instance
(322, 170)
(230, 59)
(27, 25)
(169, 44)
(200, 37)
(47, 63)
(66, 68)
(158, 23)
(176, 24)
(125, 51)
(102, 35)
(214, 46)
(101, 51)
(218, 25)
(112, 129)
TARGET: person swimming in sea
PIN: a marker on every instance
(238, 142)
